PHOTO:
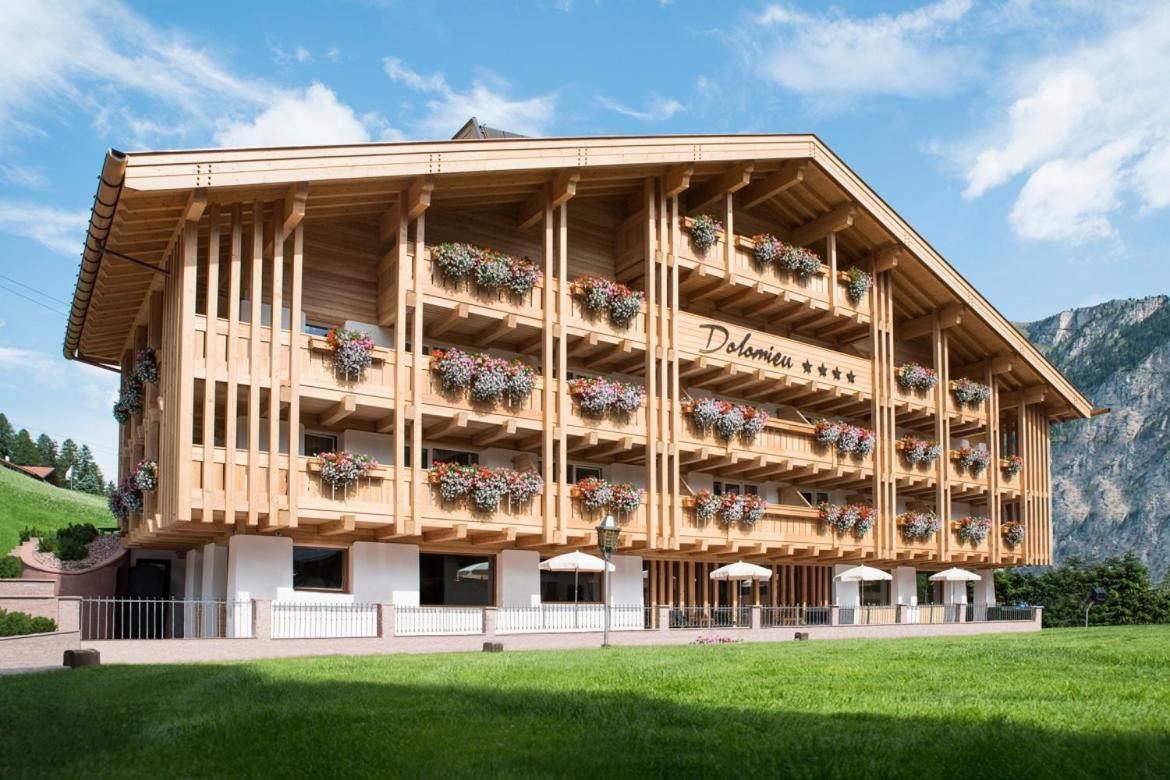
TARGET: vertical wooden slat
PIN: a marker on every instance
(562, 441)
(276, 376)
(294, 372)
(400, 368)
(231, 404)
(212, 362)
(416, 392)
(653, 521)
(186, 353)
(255, 294)
(554, 482)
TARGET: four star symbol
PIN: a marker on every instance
(823, 369)
(837, 373)
(852, 377)
(807, 366)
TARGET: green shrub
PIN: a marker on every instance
(21, 623)
(28, 532)
(47, 543)
(10, 567)
(73, 541)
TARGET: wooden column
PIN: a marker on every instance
(255, 293)
(417, 485)
(212, 363)
(294, 372)
(274, 367)
(401, 281)
(554, 483)
(185, 396)
(562, 400)
(654, 530)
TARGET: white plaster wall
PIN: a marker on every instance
(626, 580)
(623, 472)
(242, 435)
(382, 337)
(699, 480)
(258, 566)
(985, 588)
(192, 588)
(954, 592)
(378, 445)
(214, 586)
(905, 585)
(519, 578)
(845, 594)
(384, 573)
(962, 509)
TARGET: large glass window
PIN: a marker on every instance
(456, 579)
(558, 586)
(318, 568)
(316, 443)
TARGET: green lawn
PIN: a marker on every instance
(27, 502)
(1065, 703)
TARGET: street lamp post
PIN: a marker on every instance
(607, 539)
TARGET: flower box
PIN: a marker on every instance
(321, 344)
(380, 472)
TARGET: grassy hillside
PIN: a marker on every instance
(1063, 703)
(27, 502)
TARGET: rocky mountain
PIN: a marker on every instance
(1111, 474)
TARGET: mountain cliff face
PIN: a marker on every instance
(1111, 474)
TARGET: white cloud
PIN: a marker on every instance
(40, 367)
(1088, 128)
(57, 229)
(829, 57)
(658, 108)
(303, 55)
(303, 117)
(22, 176)
(333, 54)
(487, 99)
(1070, 199)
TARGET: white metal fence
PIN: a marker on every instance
(776, 617)
(105, 618)
(868, 616)
(420, 621)
(710, 617)
(569, 617)
(323, 620)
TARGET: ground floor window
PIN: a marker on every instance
(560, 586)
(449, 580)
(318, 568)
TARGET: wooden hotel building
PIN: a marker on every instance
(821, 388)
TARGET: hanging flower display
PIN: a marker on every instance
(621, 497)
(848, 439)
(117, 506)
(343, 469)
(491, 270)
(728, 420)
(145, 476)
(597, 396)
(919, 525)
(706, 505)
(131, 494)
(1013, 533)
(130, 399)
(731, 508)
(858, 285)
(973, 529)
(973, 459)
(801, 262)
(858, 518)
(917, 377)
(490, 379)
(917, 451)
(353, 351)
(766, 248)
(602, 296)
(1014, 465)
(146, 366)
(486, 487)
(595, 493)
(705, 231)
(626, 498)
(968, 392)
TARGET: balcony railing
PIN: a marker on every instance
(136, 618)
(569, 617)
(783, 439)
(323, 620)
(423, 621)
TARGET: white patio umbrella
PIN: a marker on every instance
(476, 571)
(575, 562)
(952, 577)
(741, 571)
(862, 574)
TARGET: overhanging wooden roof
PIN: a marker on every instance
(142, 196)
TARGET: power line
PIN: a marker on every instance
(30, 299)
(34, 289)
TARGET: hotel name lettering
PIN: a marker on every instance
(719, 340)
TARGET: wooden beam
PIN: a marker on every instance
(1026, 396)
(564, 187)
(457, 422)
(625, 444)
(506, 536)
(385, 424)
(735, 179)
(790, 174)
(678, 178)
(508, 323)
(448, 320)
(837, 219)
(456, 531)
(494, 434)
(339, 411)
(196, 203)
(417, 199)
(948, 317)
(885, 258)
(342, 525)
(294, 206)
(998, 365)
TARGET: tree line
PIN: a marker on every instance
(20, 448)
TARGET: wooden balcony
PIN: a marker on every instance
(733, 281)
(966, 486)
(961, 551)
(1009, 485)
(784, 450)
(786, 529)
(917, 479)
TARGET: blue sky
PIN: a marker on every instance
(1029, 142)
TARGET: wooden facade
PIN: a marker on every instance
(229, 263)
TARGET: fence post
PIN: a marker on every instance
(1038, 616)
(386, 621)
(69, 613)
(262, 618)
(901, 613)
(663, 611)
(756, 617)
(490, 615)
(834, 615)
